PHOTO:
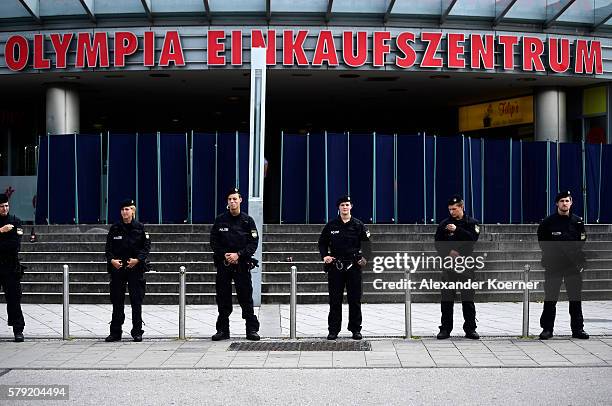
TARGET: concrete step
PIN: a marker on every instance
(101, 237)
(99, 247)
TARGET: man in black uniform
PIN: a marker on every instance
(127, 250)
(234, 239)
(561, 237)
(10, 269)
(456, 236)
(340, 249)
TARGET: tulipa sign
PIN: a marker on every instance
(304, 48)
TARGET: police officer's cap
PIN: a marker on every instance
(344, 199)
(563, 194)
(455, 199)
(232, 191)
(128, 203)
(3, 198)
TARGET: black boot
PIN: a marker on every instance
(253, 336)
(546, 334)
(221, 335)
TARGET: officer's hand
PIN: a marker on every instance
(132, 262)
(116, 263)
(327, 259)
(362, 262)
(6, 228)
(453, 253)
(451, 227)
(231, 257)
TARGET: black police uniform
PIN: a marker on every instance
(343, 241)
(234, 234)
(461, 240)
(10, 271)
(124, 241)
(561, 239)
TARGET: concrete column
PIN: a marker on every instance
(63, 111)
(550, 114)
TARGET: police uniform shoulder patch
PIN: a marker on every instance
(477, 228)
(20, 231)
(254, 233)
(368, 233)
(582, 236)
(147, 236)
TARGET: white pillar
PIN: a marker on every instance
(256, 156)
(550, 115)
(63, 112)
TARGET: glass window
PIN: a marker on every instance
(61, 8)
(299, 6)
(421, 7)
(602, 10)
(118, 7)
(177, 6)
(528, 10)
(237, 6)
(595, 129)
(360, 6)
(12, 9)
(475, 8)
(581, 11)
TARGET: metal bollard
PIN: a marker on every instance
(408, 308)
(66, 301)
(182, 303)
(526, 301)
(293, 303)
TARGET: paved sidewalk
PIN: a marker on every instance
(423, 353)
(503, 319)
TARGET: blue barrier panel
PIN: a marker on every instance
(121, 173)
(605, 195)
(62, 186)
(535, 206)
(553, 172)
(516, 199)
(361, 175)
(410, 182)
(42, 190)
(294, 179)
(203, 178)
(570, 174)
(174, 190)
(226, 168)
(430, 181)
(594, 175)
(474, 153)
(496, 181)
(243, 170)
(385, 179)
(89, 177)
(449, 172)
(148, 185)
(316, 178)
(337, 171)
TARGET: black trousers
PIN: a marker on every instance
(447, 301)
(12, 293)
(135, 282)
(337, 281)
(241, 276)
(552, 286)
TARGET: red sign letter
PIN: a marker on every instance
(325, 50)
(22, 50)
(480, 52)
(409, 59)
(172, 51)
(587, 58)
(257, 41)
(380, 47)
(39, 53)
(126, 43)
(294, 48)
(91, 51)
(433, 42)
(557, 65)
(348, 51)
(61, 44)
(533, 48)
(455, 49)
(508, 42)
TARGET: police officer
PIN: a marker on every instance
(10, 268)
(127, 250)
(340, 249)
(455, 237)
(234, 239)
(561, 237)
